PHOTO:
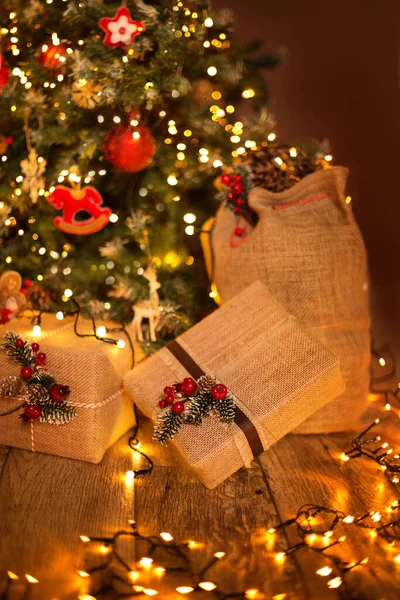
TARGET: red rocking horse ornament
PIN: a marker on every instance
(75, 200)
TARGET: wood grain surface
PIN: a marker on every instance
(47, 502)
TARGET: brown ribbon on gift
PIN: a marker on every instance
(241, 420)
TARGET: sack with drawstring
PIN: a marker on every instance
(307, 249)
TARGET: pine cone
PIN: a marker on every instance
(37, 394)
(279, 175)
(205, 384)
(10, 386)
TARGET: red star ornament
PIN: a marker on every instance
(121, 30)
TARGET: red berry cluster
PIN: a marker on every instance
(40, 358)
(174, 393)
(236, 189)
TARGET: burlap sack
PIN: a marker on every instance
(93, 370)
(279, 374)
(308, 250)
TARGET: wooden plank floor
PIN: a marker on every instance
(46, 503)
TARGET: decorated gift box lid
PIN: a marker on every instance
(93, 368)
(235, 384)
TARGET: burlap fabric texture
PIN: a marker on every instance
(308, 250)
(94, 371)
(279, 374)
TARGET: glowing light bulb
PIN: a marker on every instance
(84, 538)
(149, 592)
(101, 331)
(382, 361)
(189, 218)
(113, 218)
(208, 586)
(335, 583)
(129, 477)
(146, 562)
(83, 574)
(219, 555)
(184, 589)
(37, 330)
(344, 457)
(172, 180)
(121, 344)
(212, 71)
(348, 519)
(208, 22)
(167, 537)
(324, 572)
(68, 293)
(31, 579)
(12, 575)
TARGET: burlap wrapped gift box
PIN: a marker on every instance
(279, 374)
(309, 252)
(93, 370)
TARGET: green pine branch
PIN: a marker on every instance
(23, 356)
(167, 427)
(57, 414)
(42, 378)
(199, 407)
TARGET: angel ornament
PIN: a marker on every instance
(12, 300)
(33, 168)
(148, 309)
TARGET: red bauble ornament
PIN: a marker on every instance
(239, 201)
(226, 179)
(41, 359)
(35, 346)
(19, 343)
(178, 407)
(238, 178)
(219, 391)
(130, 149)
(189, 386)
(58, 392)
(52, 56)
(26, 372)
(121, 30)
(162, 403)
(31, 412)
(168, 390)
(74, 201)
(169, 398)
(237, 209)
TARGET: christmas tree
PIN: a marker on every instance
(116, 121)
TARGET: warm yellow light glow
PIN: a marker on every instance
(248, 93)
(121, 344)
(324, 571)
(191, 544)
(219, 554)
(146, 562)
(68, 293)
(328, 158)
(335, 583)
(189, 230)
(150, 592)
(189, 218)
(344, 457)
(60, 315)
(113, 218)
(348, 519)
(212, 71)
(280, 557)
(86, 597)
(167, 537)
(253, 593)
(37, 330)
(172, 180)
(83, 574)
(184, 589)
(208, 586)
(272, 137)
(382, 361)
(84, 538)
(397, 558)
(31, 579)
(12, 575)
(129, 477)
(160, 571)
(101, 331)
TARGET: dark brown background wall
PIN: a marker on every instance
(340, 81)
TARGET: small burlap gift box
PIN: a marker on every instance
(93, 370)
(309, 252)
(278, 373)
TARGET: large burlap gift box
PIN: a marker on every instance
(93, 370)
(279, 374)
(309, 252)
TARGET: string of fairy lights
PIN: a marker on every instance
(320, 529)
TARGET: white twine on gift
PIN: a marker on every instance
(50, 333)
(113, 396)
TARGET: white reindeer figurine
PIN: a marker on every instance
(148, 309)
